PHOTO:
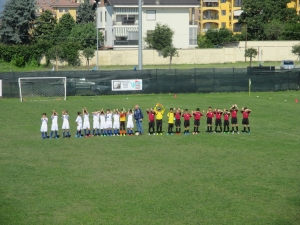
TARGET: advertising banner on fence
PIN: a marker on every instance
(127, 85)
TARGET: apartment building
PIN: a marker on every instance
(118, 19)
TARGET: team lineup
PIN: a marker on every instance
(121, 122)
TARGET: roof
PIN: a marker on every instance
(64, 3)
(153, 2)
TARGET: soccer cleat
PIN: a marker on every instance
(160, 133)
(193, 132)
(148, 133)
(172, 134)
(232, 132)
(238, 132)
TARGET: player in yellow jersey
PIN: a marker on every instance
(159, 111)
(171, 118)
(123, 122)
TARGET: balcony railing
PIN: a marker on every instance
(125, 23)
(193, 23)
(210, 4)
(210, 17)
(127, 42)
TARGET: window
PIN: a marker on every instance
(101, 17)
(223, 12)
(61, 9)
(193, 35)
(66, 10)
(151, 15)
(105, 16)
(237, 3)
(223, 25)
(223, 1)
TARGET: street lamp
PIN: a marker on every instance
(140, 27)
(95, 7)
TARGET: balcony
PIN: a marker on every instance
(210, 18)
(126, 42)
(193, 23)
(125, 23)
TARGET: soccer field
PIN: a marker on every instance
(179, 179)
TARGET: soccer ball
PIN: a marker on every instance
(137, 133)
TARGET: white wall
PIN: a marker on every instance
(176, 18)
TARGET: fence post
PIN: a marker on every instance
(195, 80)
(10, 84)
(214, 80)
(233, 77)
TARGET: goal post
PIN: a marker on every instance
(42, 87)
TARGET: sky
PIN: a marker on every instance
(2, 2)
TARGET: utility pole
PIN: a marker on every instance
(246, 41)
(140, 27)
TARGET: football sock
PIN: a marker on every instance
(244, 129)
(237, 129)
(93, 132)
(63, 134)
(210, 128)
(56, 134)
(68, 133)
(51, 133)
(98, 132)
(207, 128)
(248, 129)
(84, 132)
(89, 132)
(42, 134)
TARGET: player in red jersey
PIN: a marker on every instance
(151, 117)
(226, 115)
(210, 118)
(234, 123)
(245, 111)
(178, 113)
(218, 112)
(187, 116)
(197, 116)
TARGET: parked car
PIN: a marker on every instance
(101, 87)
(287, 65)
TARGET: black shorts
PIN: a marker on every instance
(245, 121)
(151, 124)
(218, 122)
(234, 120)
(122, 125)
(226, 123)
(197, 123)
(209, 120)
(186, 123)
(177, 122)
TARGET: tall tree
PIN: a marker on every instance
(64, 27)
(86, 35)
(257, 13)
(204, 42)
(55, 53)
(218, 37)
(88, 53)
(85, 13)
(16, 21)
(161, 37)
(45, 25)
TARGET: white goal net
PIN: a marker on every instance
(40, 87)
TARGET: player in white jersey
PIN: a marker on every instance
(79, 125)
(102, 123)
(54, 126)
(96, 124)
(86, 123)
(116, 124)
(108, 118)
(130, 125)
(66, 124)
(44, 126)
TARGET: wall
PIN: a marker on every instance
(233, 52)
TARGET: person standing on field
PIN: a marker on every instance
(245, 111)
(138, 116)
(234, 123)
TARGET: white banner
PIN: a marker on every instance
(0, 88)
(127, 85)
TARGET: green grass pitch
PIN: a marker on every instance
(196, 179)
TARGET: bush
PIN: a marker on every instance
(18, 60)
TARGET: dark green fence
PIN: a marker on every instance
(166, 81)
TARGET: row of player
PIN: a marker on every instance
(112, 122)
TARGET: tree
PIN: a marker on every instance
(274, 30)
(45, 25)
(219, 36)
(64, 27)
(88, 53)
(250, 53)
(291, 31)
(86, 35)
(296, 50)
(16, 21)
(55, 53)
(160, 38)
(257, 13)
(203, 42)
(85, 13)
(171, 52)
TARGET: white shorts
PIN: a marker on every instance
(79, 126)
(96, 125)
(65, 126)
(86, 125)
(108, 124)
(102, 125)
(54, 127)
(116, 125)
(130, 124)
(44, 128)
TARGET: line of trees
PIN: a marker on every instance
(25, 38)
